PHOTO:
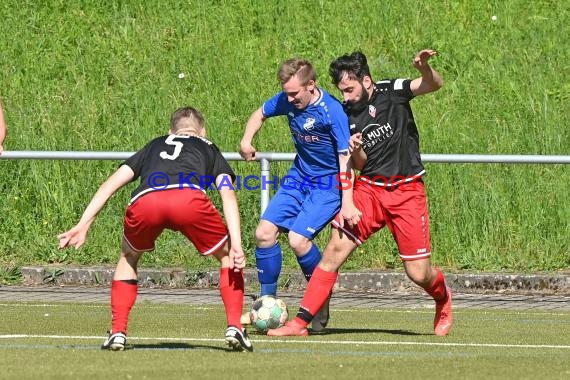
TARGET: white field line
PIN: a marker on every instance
(456, 311)
(303, 341)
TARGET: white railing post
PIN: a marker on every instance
(265, 172)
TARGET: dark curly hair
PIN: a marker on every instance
(354, 65)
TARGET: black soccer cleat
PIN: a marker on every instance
(321, 319)
(238, 340)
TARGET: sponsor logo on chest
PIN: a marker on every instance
(375, 133)
(309, 124)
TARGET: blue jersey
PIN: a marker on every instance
(320, 133)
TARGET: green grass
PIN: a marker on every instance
(103, 75)
(174, 341)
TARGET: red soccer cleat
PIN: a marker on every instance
(443, 316)
(290, 328)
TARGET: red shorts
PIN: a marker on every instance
(186, 210)
(403, 210)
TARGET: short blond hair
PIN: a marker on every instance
(186, 119)
(296, 66)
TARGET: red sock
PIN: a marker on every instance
(437, 289)
(123, 297)
(231, 289)
(319, 288)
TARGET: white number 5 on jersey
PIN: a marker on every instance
(177, 147)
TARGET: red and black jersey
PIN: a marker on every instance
(389, 135)
(176, 161)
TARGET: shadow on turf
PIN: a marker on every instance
(331, 331)
(175, 346)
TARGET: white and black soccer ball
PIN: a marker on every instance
(268, 312)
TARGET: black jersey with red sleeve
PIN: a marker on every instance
(390, 137)
(177, 161)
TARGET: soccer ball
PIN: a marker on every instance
(267, 313)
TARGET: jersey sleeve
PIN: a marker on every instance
(135, 162)
(339, 128)
(221, 165)
(275, 106)
(400, 89)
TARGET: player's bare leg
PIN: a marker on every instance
(432, 280)
(126, 268)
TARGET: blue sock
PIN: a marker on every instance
(309, 261)
(268, 262)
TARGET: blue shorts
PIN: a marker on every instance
(304, 211)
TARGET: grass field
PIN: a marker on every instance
(55, 341)
(104, 75)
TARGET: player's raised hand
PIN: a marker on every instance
(75, 237)
(247, 151)
(421, 59)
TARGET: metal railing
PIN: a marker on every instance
(265, 159)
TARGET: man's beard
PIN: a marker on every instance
(360, 105)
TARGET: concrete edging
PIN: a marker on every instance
(368, 281)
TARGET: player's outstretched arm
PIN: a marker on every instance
(233, 222)
(430, 80)
(76, 236)
(246, 150)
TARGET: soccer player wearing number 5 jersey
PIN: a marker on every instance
(389, 191)
(172, 195)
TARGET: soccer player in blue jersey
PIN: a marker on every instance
(309, 197)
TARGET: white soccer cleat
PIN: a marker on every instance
(115, 342)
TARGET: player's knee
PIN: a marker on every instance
(130, 258)
(265, 236)
(419, 271)
(299, 243)
(129, 253)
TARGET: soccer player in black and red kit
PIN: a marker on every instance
(175, 171)
(389, 190)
